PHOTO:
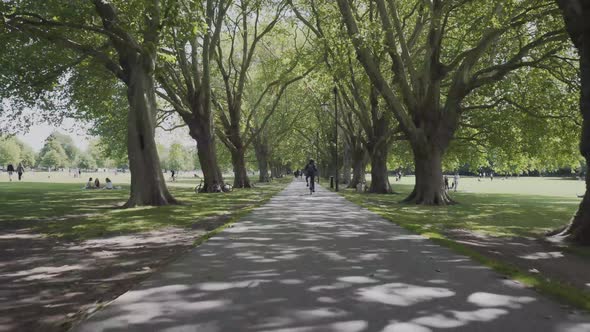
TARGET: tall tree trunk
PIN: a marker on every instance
(576, 18)
(358, 167)
(202, 132)
(241, 179)
(262, 152)
(429, 188)
(148, 186)
(346, 164)
(263, 169)
(379, 178)
(274, 171)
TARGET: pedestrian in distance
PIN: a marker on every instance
(10, 170)
(456, 181)
(20, 170)
(446, 180)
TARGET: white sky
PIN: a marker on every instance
(38, 133)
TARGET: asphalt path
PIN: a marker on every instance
(305, 263)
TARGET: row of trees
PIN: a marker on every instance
(433, 85)
(59, 151)
(190, 58)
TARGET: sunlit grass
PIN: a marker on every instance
(493, 214)
(64, 210)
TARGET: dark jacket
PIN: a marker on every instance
(311, 170)
(10, 168)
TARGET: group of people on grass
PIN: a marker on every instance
(20, 170)
(483, 175)
(96, 184)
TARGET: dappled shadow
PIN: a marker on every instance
(530, 254)
(47, 283)
(59, 258)
(320, 263)
(487, 213)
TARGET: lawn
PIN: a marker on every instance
(514, 207)
(62, 209)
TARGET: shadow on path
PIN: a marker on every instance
(320, 263)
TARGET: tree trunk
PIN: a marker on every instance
(379, 178)
(148, 186)
(261, 149)
(241, 179)
(263, 170)
(202, 132)
(358, 168)
(429, 188)
(346, 164)
(575, 15)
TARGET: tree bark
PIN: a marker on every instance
(241, 179)
(429, 188)
(148, 186)
(346, 164)
(576, 18)
(358, 167)
(263, 169)
(379, 178)
(261, 150)
(202, 133)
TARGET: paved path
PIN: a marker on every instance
(320, 263)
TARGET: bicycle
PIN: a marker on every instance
(199, 187)
(311, 185)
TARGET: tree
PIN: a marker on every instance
(121, 36)
(10, 152)
(86, 161)
(184, 75)
(246, 29)
(177, 157)
(52, 159)
(575, 14)
(435, 61)
(58, 156)
(27, 155)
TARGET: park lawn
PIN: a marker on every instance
(486, 213)
(64, 210)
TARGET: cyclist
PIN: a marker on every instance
(311, 171)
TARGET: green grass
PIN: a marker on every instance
(491, 214)
(509, 214)
(63, 210)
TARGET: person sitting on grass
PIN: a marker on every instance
(96, 183)
(89, 184)
(109, 184)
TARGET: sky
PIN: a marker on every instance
(38, 133)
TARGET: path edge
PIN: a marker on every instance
(561, 292)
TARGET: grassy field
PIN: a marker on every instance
(538, 186)
(514, 207)
(59, 207)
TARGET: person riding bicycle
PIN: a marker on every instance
(311, 171)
